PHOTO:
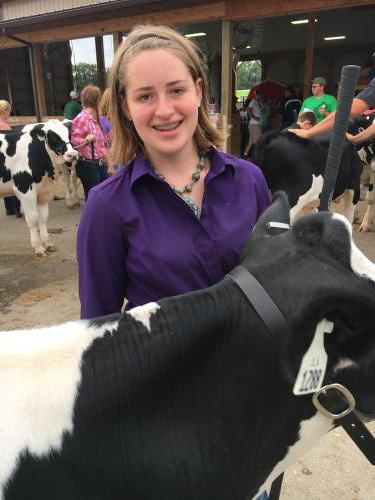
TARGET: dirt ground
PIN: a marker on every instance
(38, 291)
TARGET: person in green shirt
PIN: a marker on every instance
(319, 103)
(73, 107)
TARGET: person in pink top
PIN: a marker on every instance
(92, 163)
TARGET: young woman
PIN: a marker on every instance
(11, 203)
(92, 163)
(176, 217)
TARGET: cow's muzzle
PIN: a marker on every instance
(69, 156)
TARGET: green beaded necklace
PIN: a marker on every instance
(189, 187)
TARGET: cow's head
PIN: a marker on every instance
(314, 271)
(56, 136)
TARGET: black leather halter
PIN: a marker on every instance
(331, 400)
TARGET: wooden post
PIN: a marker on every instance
(309, 53)
(264, 69)
(8, 79)
(226, 79)
(100, 66)
(117, 39)
(39, 93)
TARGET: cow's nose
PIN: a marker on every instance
(72, 154)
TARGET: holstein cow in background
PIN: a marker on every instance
(297, 167)
(66, 170)
(189, 398)
(366, 152)
(27, 169)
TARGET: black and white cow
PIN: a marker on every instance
(27, 169)
(366, 152)
(65, 170)
(189, 398)
(297, 167)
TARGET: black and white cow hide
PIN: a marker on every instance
(189, 398)
(28, 159)
(297, 167)
(366, 152)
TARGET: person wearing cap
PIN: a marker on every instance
(73, 107)
(319, 103)
(363, 101)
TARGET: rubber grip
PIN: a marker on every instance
(348, 83)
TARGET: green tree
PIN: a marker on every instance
(249, 73)
(84, 74)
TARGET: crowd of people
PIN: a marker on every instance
(153, 119)
(314, 115)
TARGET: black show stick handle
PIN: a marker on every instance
(348, 82)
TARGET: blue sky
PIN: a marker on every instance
(83, 50)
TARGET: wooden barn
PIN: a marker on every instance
(293, 41)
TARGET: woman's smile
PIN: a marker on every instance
(162, 101)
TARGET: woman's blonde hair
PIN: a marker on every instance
(104, 103)
(125, 140)
(4, 106)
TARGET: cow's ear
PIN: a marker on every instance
(276, 218)
(41, 135)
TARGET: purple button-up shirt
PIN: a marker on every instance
(138, 239)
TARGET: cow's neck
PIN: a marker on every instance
(198, 374)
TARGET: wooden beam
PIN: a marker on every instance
(226, 78)
(38, 72)
(238, 9)
(117, 39)
(309, 56)
(8, 79)
(100, 65)
(320, 51)
(206, 12)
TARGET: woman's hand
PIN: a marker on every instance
(352, 138)
(90, 138)
(303, 133)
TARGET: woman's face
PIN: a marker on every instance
(162, 100)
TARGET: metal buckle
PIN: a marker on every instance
(344, 391)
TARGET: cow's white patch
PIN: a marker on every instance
(144, 313)
(310, 196)
(344, 363)
(40, 372)
(311, 431)
(360, 264)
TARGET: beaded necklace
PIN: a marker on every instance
(188, 187)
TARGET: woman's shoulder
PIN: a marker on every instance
(82, 115)
(4, 126)
(239, 163)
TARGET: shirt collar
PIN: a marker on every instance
(141, 167)
(219, 163)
